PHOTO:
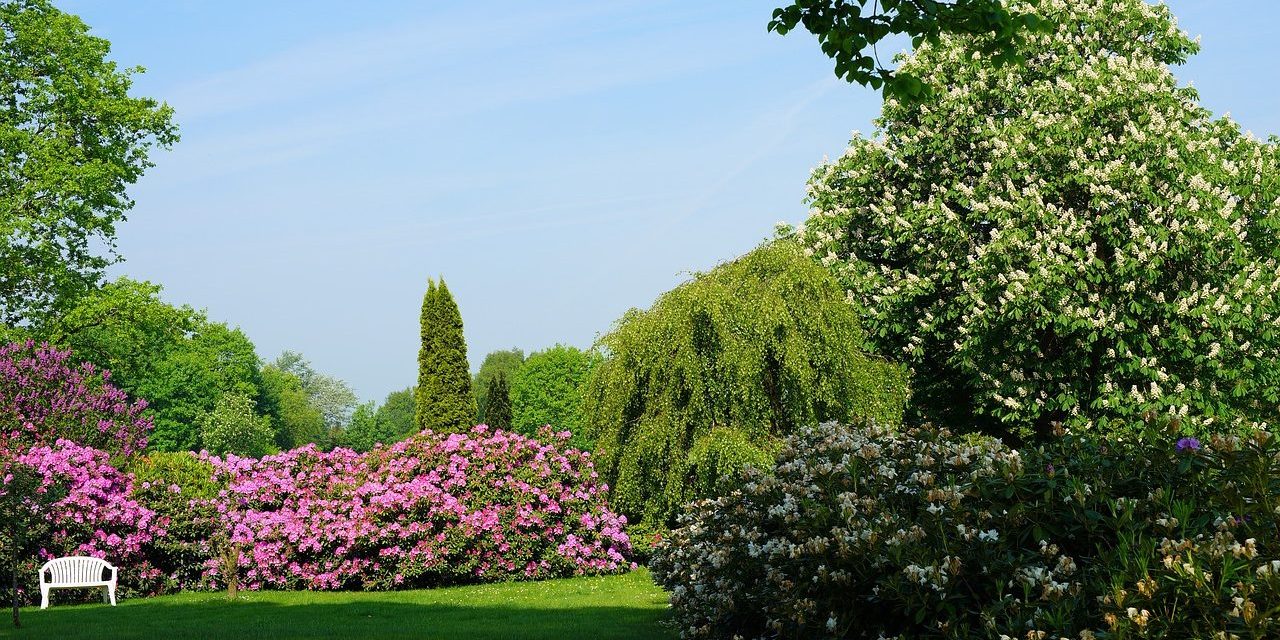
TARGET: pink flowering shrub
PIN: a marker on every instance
(45, 396)
(868, 532)
(95, 514)
(434, 509)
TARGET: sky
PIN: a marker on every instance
(557, 163)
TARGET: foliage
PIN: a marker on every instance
(435, 509)
(366, 431)
(1074, 240)
(331, 397)
(93, 515)
(171, 355)
(864, 533)
(294, 420)
(44, 398)
(444, 401)
(620, 607)
(214, 361)
(505, 363)
(396, 413)
(849, 31)
(752, 350)
(497, 411)
(547, 390)
(180, 488)
(232, 426)
(123, 327)
(72, 140)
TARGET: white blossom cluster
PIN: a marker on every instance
(849, 521)
(872, 532)
(1074, 240)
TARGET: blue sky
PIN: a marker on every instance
(556, 162)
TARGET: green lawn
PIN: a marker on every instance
(627, 606)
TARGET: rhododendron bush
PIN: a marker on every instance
(95, 514)
(434, 509)
(866, 532)
(1071, 240)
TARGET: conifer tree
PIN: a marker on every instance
(445, 401)
(425, 390)
(497, 413)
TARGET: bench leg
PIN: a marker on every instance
(44, 597)
(112, 590)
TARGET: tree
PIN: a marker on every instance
(505, 363)
(331, 397)
(498, 412)
(215, 360)
(72, 140)
(232, 426)
(444, 400)
(547, 390)
(171, 355)
(428, 385)
(719, 370)
(294, 420)
(396, 413)
(26, 498)
(1074, 240)
(125, 328)
(367, 430)
(848, 32)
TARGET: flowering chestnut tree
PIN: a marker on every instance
(1074, 240)
(46, 396)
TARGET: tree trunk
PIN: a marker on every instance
(231, 569)
(13, 570)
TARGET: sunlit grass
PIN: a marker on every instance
(626, 606)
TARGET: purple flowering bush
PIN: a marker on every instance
(868, 532)
(434, 509)
(45, 396)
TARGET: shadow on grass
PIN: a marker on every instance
(214, 618)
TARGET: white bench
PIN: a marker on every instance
(77, 572)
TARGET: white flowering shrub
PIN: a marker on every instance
(1074, 240)
(868, 532)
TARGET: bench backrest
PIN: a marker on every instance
(74, 569)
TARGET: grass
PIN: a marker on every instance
(625, 606)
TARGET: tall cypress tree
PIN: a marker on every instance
(497, 412)
(427, 388)
(444, 401)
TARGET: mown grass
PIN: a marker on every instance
(625, 606)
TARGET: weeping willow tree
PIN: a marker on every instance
(719, 370)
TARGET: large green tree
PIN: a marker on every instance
(216, 360)
(72, 140)
(719, 370)
(396, 413)
(444, 398)
(1074, 240)
(125, 327)
(295, 420)
(850, 30)
(172, 356)
(503, 363)
(547, 390)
